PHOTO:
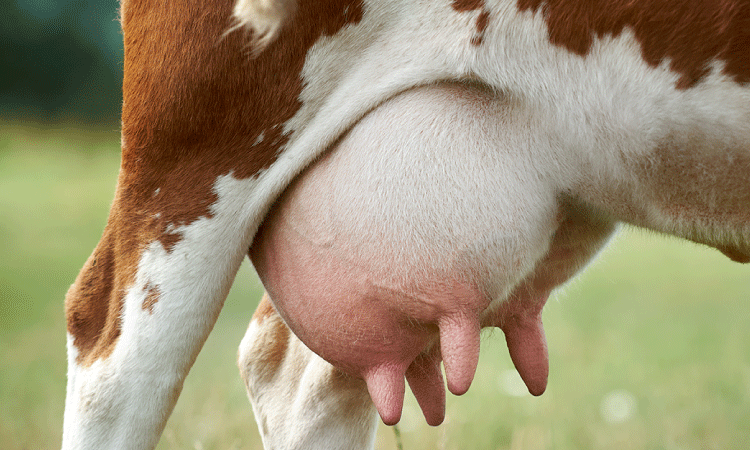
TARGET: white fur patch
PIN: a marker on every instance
(264, 18)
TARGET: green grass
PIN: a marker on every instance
(659, 324)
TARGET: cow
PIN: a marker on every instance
(633, 111)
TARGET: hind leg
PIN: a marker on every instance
(140, 311)
(190, 196)
(300, 401)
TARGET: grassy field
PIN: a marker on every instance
(649, 349)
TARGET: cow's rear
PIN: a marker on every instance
(636, 112)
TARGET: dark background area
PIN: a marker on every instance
(60, 61)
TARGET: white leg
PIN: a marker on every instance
(299, 400)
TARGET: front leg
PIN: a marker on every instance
(300, 401)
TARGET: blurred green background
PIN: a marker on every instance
(649, 349)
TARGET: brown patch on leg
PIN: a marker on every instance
(151, 298)
(692, 177)
(265, 309)
(92, 314)
(195, 103)
(272, 341)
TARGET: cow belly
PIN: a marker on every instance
(387, 254)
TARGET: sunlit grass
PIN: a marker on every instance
(650, 349)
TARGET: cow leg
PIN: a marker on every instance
(300, 401)
(142, 307)
(200, 126)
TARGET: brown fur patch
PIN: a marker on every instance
(690, 33)
(273, 342)
(467, 5)
(483, 19)
(194, 103)
(265, 309)
(151, 298)
(92, 305)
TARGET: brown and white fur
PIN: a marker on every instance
(641, 111)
